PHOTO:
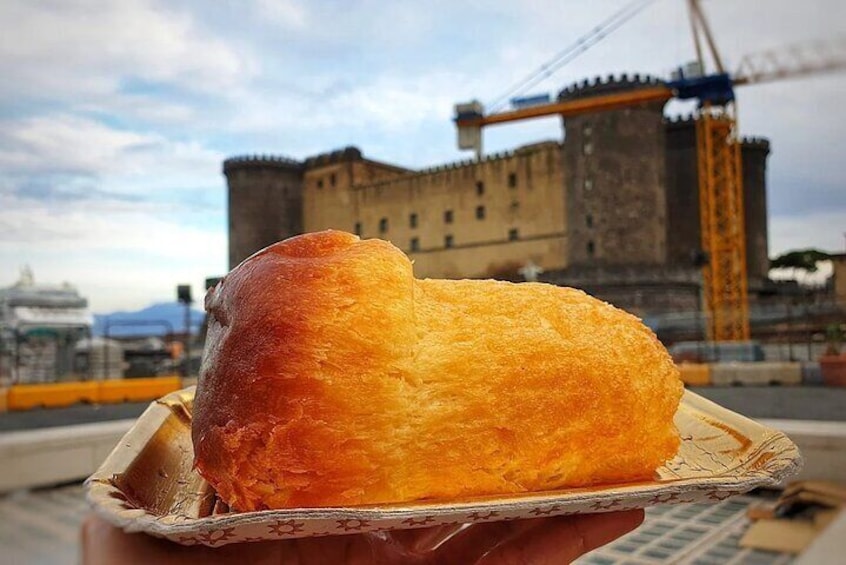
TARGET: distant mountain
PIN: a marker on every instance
(158, 319)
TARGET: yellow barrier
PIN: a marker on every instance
(133, 390)
(51, 395)
(695, 374)
(4, 395)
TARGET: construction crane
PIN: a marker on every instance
(720, 176)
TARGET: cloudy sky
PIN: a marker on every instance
(115, 116)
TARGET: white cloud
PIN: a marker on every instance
(62, 50)
(139, 101)
(120, 254)
(287, 14)
(71, 144)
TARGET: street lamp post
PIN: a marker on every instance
(183, 294)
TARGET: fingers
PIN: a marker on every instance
(563, 539)
(423, 540)
(474, 541)
(537, 541)
(104, 544)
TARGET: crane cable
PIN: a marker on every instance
(572, 51)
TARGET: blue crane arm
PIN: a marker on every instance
(716, 89)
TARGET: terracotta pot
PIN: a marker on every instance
(833, 368)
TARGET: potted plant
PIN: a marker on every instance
(833, 362)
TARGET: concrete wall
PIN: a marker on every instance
(51, 456)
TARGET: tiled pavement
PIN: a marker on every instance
(42, 527)
(688, 534)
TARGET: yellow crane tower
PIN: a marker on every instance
(718, 150)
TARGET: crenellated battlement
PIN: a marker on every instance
(755, 142)
(682, 119)
(458, 165)
(689, 121)
(685, 122)
(608, 84)
(260, 161)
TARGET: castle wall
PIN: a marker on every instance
(463, 220)
(641, 290)
(474, 219)
(329, 200)
(327, 197)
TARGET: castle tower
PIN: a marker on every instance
(684, 236)
(753, 154)
(265, 202)
(615, 189)
(684, 239)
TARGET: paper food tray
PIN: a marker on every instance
(147, 483)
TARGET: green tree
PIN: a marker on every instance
(803, 259)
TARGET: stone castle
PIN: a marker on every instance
(613, 209)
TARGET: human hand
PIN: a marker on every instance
(536, 541)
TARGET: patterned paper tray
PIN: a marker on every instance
(147, 483)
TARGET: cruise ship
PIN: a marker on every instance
(40, 328)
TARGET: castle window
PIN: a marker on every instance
(590, 248)
(589, 220)
(587, 148)
(480, 212)
(588, 185)
(319, 183)
(332, 179)
(412, 220)
(448, 241)
(480, 187)
(513, 234)
(358, 228)
(415, 244)
(512, 180)
(448, 217)
(383, 225)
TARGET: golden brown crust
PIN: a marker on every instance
(332, 377)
